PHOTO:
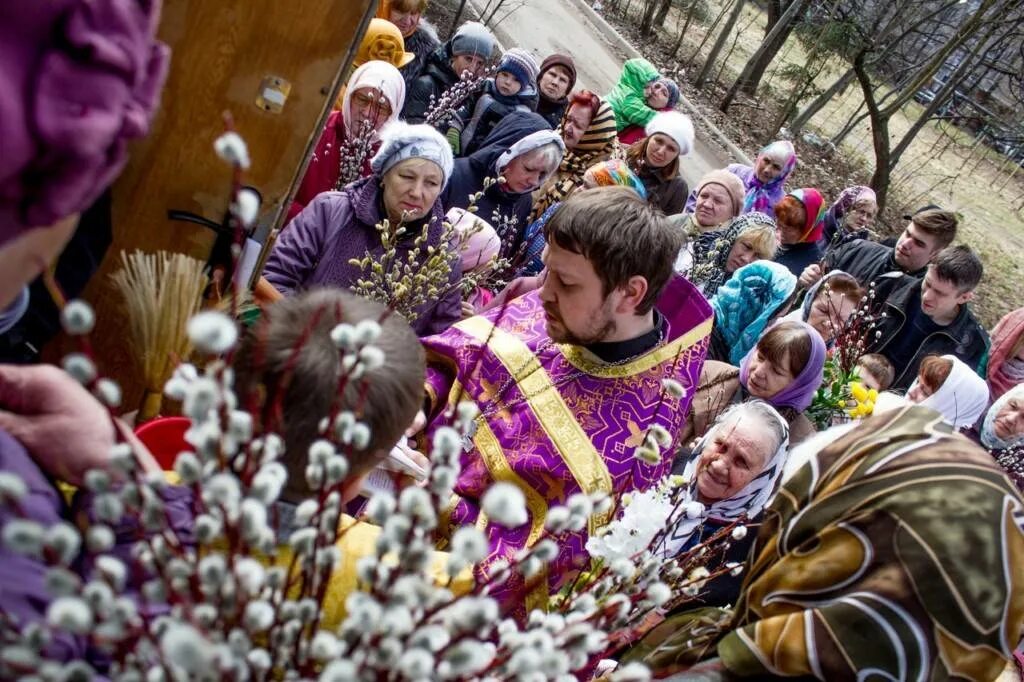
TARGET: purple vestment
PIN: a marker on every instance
(555, 420)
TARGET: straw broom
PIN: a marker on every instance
(162, 291)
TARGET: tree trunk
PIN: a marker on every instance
(758, 63)
(647, 21)
(662, 15)
(686, 26)
(709, 63)
(819, 103)
(711, 31)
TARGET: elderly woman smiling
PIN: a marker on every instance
(733, 473)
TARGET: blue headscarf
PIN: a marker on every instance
(746, 302)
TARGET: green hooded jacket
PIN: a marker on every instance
(627, 97)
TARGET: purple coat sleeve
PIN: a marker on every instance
(298, 250)
(23, 595)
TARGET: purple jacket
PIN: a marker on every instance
(23, 595)
(316, 246)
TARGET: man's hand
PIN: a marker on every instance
(810, 276)
(61, 424)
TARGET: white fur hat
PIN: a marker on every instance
(676, 125)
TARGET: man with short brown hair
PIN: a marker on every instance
(928, 231)
(581, 386)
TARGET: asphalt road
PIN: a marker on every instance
(547, 26)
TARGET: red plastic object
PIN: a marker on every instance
(165, 438)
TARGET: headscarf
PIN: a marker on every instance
(615, 172)
(528, 144)
(963, 396)
(673, 92)
(747, 301)
(749, 501)
(1004, 337)
(762, 196)
(988, 434)
(478, 241)
(595, 145)
(848, 198)
(711, 250)
(814, 207)
(401, 141)
(79, 80)
(381, 76)
(800, 392)
(383, 42)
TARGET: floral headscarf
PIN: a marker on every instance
(814, 206)
(800, 392)
(761, 196)
(749, 501)
(711, 250)
(615, 172)
(848, 198)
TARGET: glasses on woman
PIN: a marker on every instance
(366, 100)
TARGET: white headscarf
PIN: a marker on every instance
(962, 398)
(749, 501)
(988, 432)
(382, 76)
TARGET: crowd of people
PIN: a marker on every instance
(630, 306)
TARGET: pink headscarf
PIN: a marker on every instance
(78, 79)
(1004, 338)
(814, 207)
(478, 240)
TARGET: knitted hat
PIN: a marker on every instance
(565, 61)
(673, 91)
(730, 183)
(473, 38)
(522, 65)
(383, 41)
(676, 125)
(401, 141)
(78, 79)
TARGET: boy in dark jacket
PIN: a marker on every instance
(468, 50)
(513, 88)
(929, 316)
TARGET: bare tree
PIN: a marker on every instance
(709, 63)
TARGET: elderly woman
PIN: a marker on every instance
(374, 96)
(717, 200)
(588, 131)
(711, 258)
(800, 216)
(765, 182)
(951, 388)
(829, 304)
(853, 577)
(784, 369)
(744, 306)
(733, 472)
(555, 81)
(1006, 354)
(519, 155)
(850, 216)
(1001, 432)
(409, 172)
(655, 159)
(419, 35)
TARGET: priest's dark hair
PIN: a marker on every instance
(621, 235)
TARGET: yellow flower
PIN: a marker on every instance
(859, 392)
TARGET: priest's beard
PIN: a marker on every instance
(598, 328)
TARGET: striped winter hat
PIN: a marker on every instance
(522, 65)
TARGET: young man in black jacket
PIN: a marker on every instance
(928, 232)
(929, 316)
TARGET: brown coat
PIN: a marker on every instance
(717, 389)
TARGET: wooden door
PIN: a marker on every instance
(223, 53)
